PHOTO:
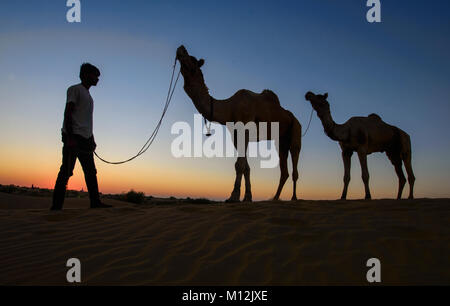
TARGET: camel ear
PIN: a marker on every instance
(325, 95)
(200, 62)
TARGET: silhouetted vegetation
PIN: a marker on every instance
(134, 197)
(39, 192)
(198, 201)
(131, 196)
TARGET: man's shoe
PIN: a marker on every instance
(100, 205)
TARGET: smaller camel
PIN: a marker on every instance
(366, 135)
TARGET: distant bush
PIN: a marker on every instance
(134, 197)
(8, 188)
(33, 191)
(199, 201)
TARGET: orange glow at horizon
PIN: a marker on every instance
(161, 177)
(180, 186)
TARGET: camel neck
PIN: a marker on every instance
(332, 129)
(205, 104)
(201, 99)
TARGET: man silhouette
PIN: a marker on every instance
(78, 138)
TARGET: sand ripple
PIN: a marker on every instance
(264, 243)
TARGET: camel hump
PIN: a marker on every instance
(374, 116)
(269, 93)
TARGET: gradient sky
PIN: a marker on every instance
(399, 69)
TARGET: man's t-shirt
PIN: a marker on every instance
(82, 115)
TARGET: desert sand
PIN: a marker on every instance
(261, 243)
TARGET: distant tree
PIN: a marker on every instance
(134, 197)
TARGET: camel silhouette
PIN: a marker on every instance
(366, 135)
(245, 106)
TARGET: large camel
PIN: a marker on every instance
(245, 106)
(366, 135)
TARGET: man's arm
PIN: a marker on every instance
(68, 117)
(71, 141)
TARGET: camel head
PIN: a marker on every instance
(318, 102)
(190, 66)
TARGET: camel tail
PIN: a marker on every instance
(406, 156)
(405, 142)
(295, 147)
(296, 134)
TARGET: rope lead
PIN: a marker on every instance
(155, 131)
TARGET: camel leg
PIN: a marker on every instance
(365, 172)
(284, 172)
(411, 177)
(239, 166)
(401, 179)
(295, 152)
(397, 163)
(347, 158)
(248, 187)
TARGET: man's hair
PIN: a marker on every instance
(87, 68)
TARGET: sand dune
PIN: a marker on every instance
(263, 243)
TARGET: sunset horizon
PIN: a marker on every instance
(224, 151)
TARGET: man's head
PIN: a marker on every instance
(89, 74)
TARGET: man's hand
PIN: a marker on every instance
(92, 144)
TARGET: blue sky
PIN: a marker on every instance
(398, 69)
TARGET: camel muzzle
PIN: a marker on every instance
(181, 51)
